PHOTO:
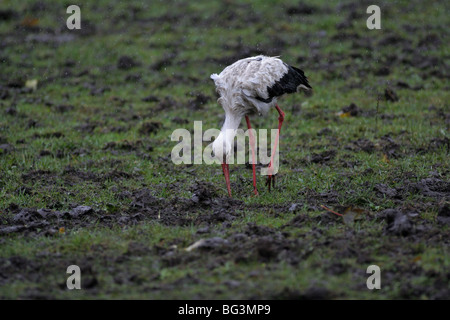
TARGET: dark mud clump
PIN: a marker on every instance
(36, 175)
(151, 98)
(323, 156)
(167, 103)
(325, 132)
(219, 215)
(302, 9)
(146, 206)
(198, 101)
(398, 223)
(364, 145)
(47, 135)
(87, 127)
(151, 127)
(80, 211)
(443, 215)
(384, 191)
(47, 222)
(267, 249)
(63, 108)
(126, 145)
(6, 148)
(126, 63)
(390, 147)
(258, 230)
(430, 40)
(352, 109)
(205, 198)
(391, 39)
(437, 143)
(316, 293)
(11, 111)
(145, 199)
(4, 93)
(390, 95)
(298, 221)
(164, 62)
(312, 293)
(8, 14)
(45, 153)
(382, 71)
(315, 199)
(431, 187)
(180, 121)
(203, 193)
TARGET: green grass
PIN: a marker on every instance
(198, 33)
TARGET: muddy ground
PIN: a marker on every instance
(86, 176)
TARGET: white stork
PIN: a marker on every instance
(252, 86)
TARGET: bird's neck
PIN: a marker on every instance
(231, 123)
(223, 144)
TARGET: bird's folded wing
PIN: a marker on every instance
(261, 76)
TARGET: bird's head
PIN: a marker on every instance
(223, 144)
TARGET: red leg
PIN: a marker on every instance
(226, 173)
(270, 178)
(252, 145)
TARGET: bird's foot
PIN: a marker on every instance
(270, 181)
(255, 193)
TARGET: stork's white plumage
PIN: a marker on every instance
(252, 86)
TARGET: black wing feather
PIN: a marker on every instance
(287, 84)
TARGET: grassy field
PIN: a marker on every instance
(86, 177)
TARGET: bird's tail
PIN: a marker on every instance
(214, 76)
(302, 81)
